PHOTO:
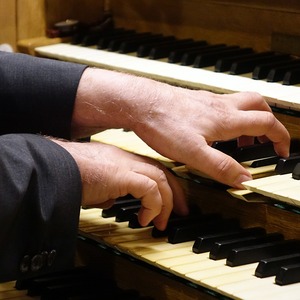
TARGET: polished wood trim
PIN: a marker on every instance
(8, 22)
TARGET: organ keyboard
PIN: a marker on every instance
(277, 95)
(258, 25)
(179, 260)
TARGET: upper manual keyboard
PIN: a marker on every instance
(196, 64)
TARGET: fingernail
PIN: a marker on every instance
(241, 179)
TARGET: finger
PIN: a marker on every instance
(180, 205)
(259, 123)
(222, 167)
(156, 198)
(249, 101)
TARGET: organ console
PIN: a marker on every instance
(237, 28)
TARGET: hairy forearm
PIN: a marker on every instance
(108, 99)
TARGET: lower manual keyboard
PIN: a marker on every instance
(279, 187)
(179, 260)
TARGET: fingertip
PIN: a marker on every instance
(160, 224)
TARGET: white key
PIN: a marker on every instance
(280, 187)
(172, 262)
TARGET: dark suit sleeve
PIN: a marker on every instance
(40, 203)
(37, 94)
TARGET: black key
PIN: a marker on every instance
(265, 162)
(177, 221)
(210, 59)
(104, 41)
(162, 51)
(144, 49)
(262, 71)
(184, 233)
(222, 249)
(115, 44)
(251, 254)
(133, 44)
(112, 211)
(277, 74)
(288, 274)
(224, 65)
(227, 147)
(287, 165)
(189, 57)
(134, 221)
(296, 172)
(176, 55)
(205, 243)
(93, 35)
(124, 213)
(255, 151)
(248, 65)
(292, 77)
(271, 266)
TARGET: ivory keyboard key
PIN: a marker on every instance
(158, 255)
(182, 260)
(290, 195)
(200, 265)
(261, 182)
(124, 235)
(280, 187)
(221, 275)
(269, 185)
(149, 246)
(113, 229)
(248, 285)
(270, 291)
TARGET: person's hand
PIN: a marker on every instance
(180, 124)
(108, 172)
(184, 126)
